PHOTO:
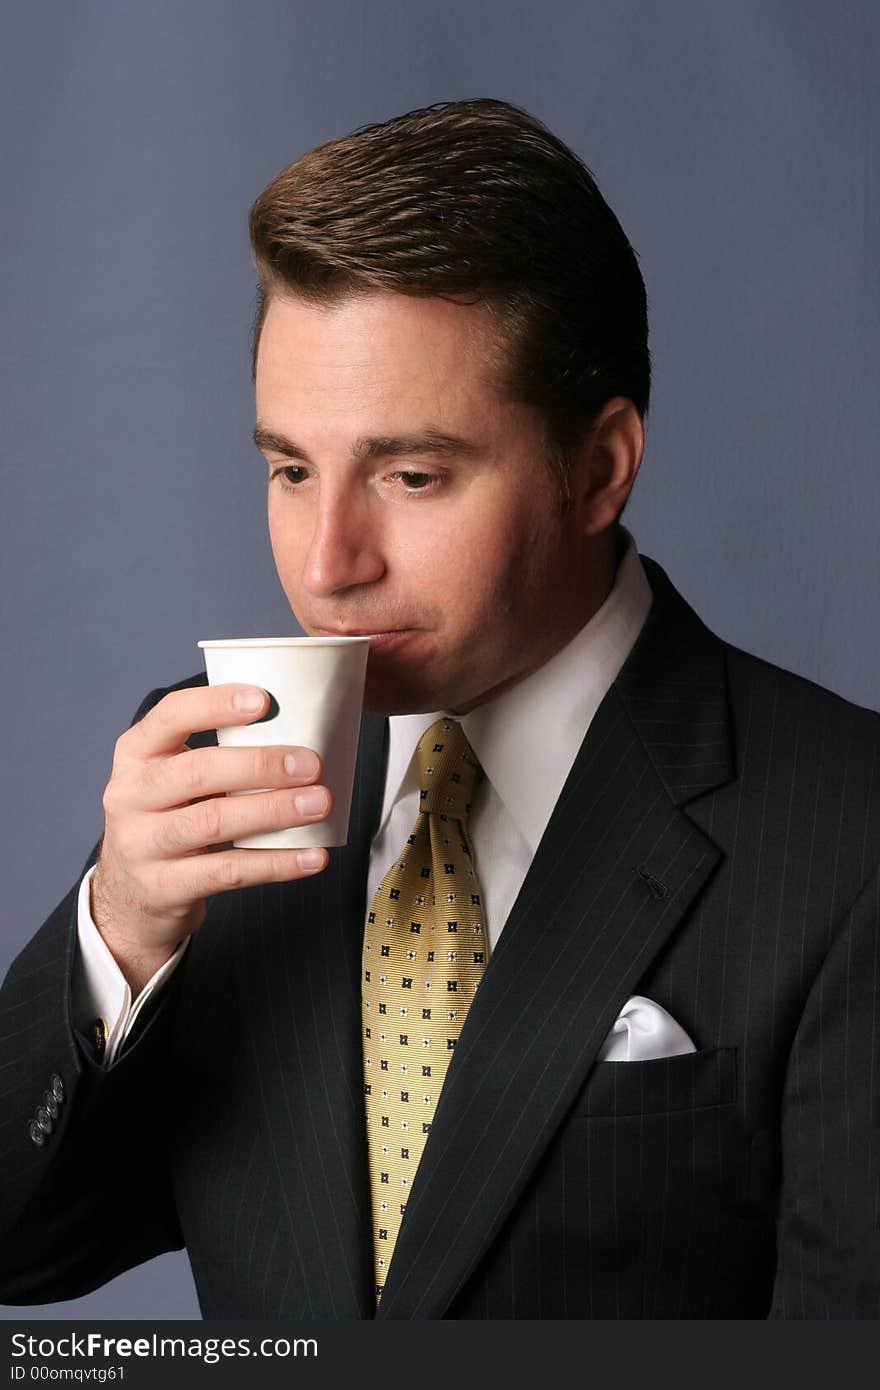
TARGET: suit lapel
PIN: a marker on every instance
(301, 981)
(616, 871)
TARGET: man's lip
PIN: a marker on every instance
(359, 631)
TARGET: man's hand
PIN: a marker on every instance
(169, 823)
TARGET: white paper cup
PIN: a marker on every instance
(317, 684)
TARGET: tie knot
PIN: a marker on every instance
(448, 770)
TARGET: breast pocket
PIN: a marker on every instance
(692, 1081)
(655, 1152)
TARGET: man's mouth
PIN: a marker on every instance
(379, 637)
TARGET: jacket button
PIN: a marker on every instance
(43, 1118)
(57, 1086)
(37, 1135)
(50, 1104)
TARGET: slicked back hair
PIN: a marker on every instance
(477, 202)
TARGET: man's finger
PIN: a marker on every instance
(203, 875)
(200, 773)
(220, 820)
(165, 728)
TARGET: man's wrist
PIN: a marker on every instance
(105, 1002)
(137, 965)
(137, 961)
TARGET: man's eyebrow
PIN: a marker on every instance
(429, 441)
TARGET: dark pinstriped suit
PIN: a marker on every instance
(715, 848)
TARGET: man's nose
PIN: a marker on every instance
(344, 550)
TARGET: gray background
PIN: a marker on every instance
(735, 139)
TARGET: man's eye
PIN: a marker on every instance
(287, 479)
(292, 476)
(417, 482)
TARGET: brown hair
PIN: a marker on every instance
(471, 199)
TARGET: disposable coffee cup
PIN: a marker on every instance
(316, 685)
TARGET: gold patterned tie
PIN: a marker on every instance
(424, 956)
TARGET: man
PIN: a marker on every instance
(582, 1020)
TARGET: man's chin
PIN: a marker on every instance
(391, 693)
(396, 702)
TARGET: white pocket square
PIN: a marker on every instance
(643, 1031)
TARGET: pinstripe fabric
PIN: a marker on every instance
(715, 848)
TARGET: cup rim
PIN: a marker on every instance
(219, 643)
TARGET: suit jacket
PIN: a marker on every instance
(715, 848)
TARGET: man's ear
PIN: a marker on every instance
(606, 464)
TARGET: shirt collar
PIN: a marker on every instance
(509, 734)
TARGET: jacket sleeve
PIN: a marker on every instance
(85, 1191)
(828, 1229)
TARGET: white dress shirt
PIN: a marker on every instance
(525, 771)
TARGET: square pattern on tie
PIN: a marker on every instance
(406, 930)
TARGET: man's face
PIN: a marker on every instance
(380, 522)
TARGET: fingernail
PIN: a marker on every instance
(311, 801)
(301, 763)
(249, 699)
(310, 859)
